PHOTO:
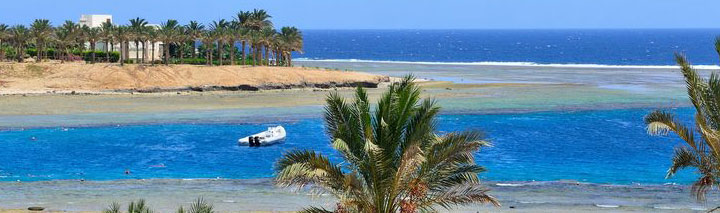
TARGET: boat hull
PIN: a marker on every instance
(272, 136)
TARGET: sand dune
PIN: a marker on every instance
(44, 77)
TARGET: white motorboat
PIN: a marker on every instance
(272, 136)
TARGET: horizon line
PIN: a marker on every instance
(616, 28)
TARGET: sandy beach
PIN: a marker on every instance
(55, 77)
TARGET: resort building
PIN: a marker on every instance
(133, 52)
(94, 20)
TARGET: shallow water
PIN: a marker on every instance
(602, 146)
(167, 195)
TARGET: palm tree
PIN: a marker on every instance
(255, 38)
(4, 35)
(72, 33)
(235, 32)
(20, 36)
(208, 39)
(63, 36)
(393, 160)
(135, 207)
(221, 34)
(137, 27)
(291, 39)
(255, 22)
(703, 141)
(267, 36)
(242, 18)
(106, 34)
(199, 206)
(167, 34)
(93, 35)
(139, 207)
(181, 40)
(194, 31)
(41, 31)
(152, 37)
(258, 20)
(112, 208)
(122, 34)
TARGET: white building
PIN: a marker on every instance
(132, 51)
(94, 20)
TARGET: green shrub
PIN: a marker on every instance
(32, 52)
(100, 56)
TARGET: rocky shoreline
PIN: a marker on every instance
(246, 87)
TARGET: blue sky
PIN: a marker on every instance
(392, 14)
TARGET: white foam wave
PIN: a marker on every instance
(679, 208)
(509, 184)
(510, 64)
(607, 206)
(532, 202)
(666, 208)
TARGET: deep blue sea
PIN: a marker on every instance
(604, 146)
(606, 47)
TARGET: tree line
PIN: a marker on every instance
(260, 43)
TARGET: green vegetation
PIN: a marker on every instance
(393, 160)
(140, 206)
(253, 29)
(703, 141)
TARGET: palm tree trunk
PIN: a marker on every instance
(220, 53)
(137, 51)
(18, 56)
(232, 52)
(92, 47)
(277, 57)
(166, 49)
(107, 51)
(112, 49)
(182, 56)
(38, 54)
(254, 54)
(2, 51)
(208, 55)
(267, 56)
(290, 59)
(152, 58)
(244, 59)
(144, 53)
(122, 54)
(258, 53)
(194, 50)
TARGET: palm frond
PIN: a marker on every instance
(682, 158)
(314, 210)
(460, 195)
(660, 123)
(112, 208)
(701, 153)
(139, 206)
(393, 160)
(307, 167)
(200, 206)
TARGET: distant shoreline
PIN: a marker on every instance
(508, 64)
